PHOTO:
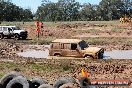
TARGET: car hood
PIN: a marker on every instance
(18, 31)
(92, 49)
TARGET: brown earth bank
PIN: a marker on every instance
(76, 29)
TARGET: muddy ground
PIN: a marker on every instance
(111, 36)
(51, 70)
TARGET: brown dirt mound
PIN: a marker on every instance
(69, 26)
(7, 48)
(79, 25)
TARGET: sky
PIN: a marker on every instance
(33, 4)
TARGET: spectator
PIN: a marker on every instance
(41, 24)
(37, 24)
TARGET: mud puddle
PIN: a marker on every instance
(35, 51)
(118, 54)
(34, 54)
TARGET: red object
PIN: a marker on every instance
(40, 24)
(37, 24)
(38, 30)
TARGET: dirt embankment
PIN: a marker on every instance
(7, 48)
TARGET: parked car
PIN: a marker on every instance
(74, 48)
(12, 31)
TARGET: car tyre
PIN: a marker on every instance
(57, 54)
(30, 84)
(8, 77)
(24, 38)
(1, 36)
(63, 80)
(45, 86)
(68, 85)
(18, 82)
(16, 37)
(36, 82)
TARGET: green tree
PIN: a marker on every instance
(113, 9)
(11, 12)
(70, 10)
(88, 12)
(63, 10)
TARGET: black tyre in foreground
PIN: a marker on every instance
(63, 80)
(7, 78)
(68, 85)
(1, 36)
(36, 82)
(18, 82)
(30, 84)
(45, 86)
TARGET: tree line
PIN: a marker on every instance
(11, 12)
(71, 10)
(67, 10)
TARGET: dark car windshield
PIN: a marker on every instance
(16, 28)
(83, 44)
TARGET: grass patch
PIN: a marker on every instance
(42, 41)
(87, 30)
(51, 67)
(8, 65)
(2, 74)
(66, 68)
(49, 24)
(34, 67)
(117, 29)
(105, 22)
(54, 24)
(98, 41)
(43, 67)
(111, 40)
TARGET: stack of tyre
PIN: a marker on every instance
(17, 80)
